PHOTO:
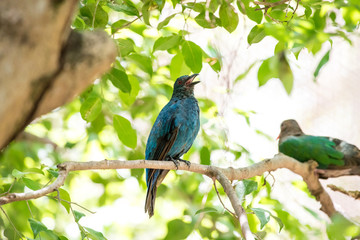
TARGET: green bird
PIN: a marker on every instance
(329, 153)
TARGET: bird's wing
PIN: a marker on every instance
(308, 147)
(163, 145)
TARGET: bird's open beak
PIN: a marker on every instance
(278, 137)
(190, 81)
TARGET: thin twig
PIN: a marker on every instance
(128, 24)
(218, 194)
(296, 7)
(60, 199)
(235, 202)
(353, 194)
(11, 186)
(11, 223)
(93, 20)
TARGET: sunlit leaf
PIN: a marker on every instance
(229, 19)
(36, 226)
(177, 229)
(31, 184)
(101, 17)
(245, 187)
(192, 55)
(118, 25)
(54, 173)
(322, 62)
(178, 67)
(164, 43)
(125, 132)
(268, 69)
(256, 34)
(285, 74)
(244, 74)
(64, 195)
(206, 210)
(125, 46)
(78, 215)
(211, 22)
(165, 22)
(205, 156)
(120, 80)
(91, 108)
(263, 215)
(143, 62)
(128, 8)
(94, 235)
(129, 98)
(145, 12)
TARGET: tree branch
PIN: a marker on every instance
(353, 194)
(235, 202)
(306, 170)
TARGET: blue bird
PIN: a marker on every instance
(172, 134)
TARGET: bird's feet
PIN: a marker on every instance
(176, 162)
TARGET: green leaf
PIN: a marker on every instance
(54, 173)
(34, 170)
(205, 156)
(120, 80)
(268, 69)
(128, 8)
(178, 67)
(64, 195)
(165, 22)
(125, 132)
(229, 19)
(36, 226)
(118, 25)
(125, 46)
(94, 235)
(78, 215)
(164, 43)
(90, 108)
(278, 220)
(16, 173)
(206, 210)
(285, 74)
(177, 229)
(212, 22)
(245, 187)
(129, 98)
(143, 62)
(254, 14)
(256, 34)
(322, 62)
(101, 17)
(341, 228)
(31, 184)
(244, 74)
(145, 12)
(192, 55)
(263, 215)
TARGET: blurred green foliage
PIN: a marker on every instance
(112, 118)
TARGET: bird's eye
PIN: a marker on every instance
(180, 82)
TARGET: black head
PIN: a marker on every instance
(184, 85)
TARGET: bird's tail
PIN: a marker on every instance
(150, 199)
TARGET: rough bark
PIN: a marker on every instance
(43, 63)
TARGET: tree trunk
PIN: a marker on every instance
(43, 63)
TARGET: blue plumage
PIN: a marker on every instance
(172, 134)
